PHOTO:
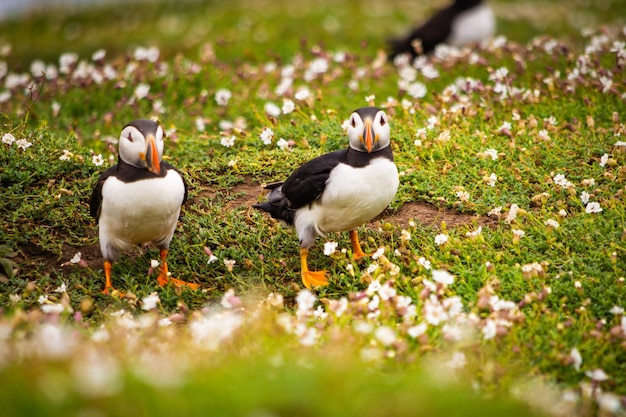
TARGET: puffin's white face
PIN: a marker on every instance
(141, 145)
(368, 129)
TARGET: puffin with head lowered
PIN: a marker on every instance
(338, 191)
(463, 22)
(138, 200)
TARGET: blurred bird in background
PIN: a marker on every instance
(463, 22)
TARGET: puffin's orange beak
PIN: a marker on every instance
(368, 135)
(152, 156)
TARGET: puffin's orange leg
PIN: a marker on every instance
(163, 279)
(108, 287)
(311, 278)
(107, 277)
(357, 252)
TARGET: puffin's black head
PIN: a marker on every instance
(141, 144)
(368, 129)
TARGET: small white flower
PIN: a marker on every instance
(305, 300)
(154, 263)
(505, 126)
(378, 253)
(617, 310)
(200, 125)
(61, 289)
(147, 54)
(489, 329)
(23, 144)
(228, 141)
(584, 197)
(288, 106)
(475, 232)
(76, 258)
(604, 159)
(8, 139)
(519, 233)
(416, 90)
(424, 262)
(543, 135)
(577, 358)
(491, 153)
(440, 239)
(552, 223)
(593, 207)
(560, 180)
(272, 109)
(463, 196)
(302, 94)
(267, 135)
(141, 91)
(229, 264)
(597, 375)
(430, 72)
(66, 60)
(512, 214)
(97, 160)
(150, 302)
(370, 98)
(222, 96)
(282, 143)
(56, 107)
(385, 335)
(372, 268)
(417, 330)
(443, 277)
(98, 55)
(330, 248)
(492, 180)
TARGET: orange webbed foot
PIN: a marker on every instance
(312, 279)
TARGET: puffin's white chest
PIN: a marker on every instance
(141, 211)
(472, 25)
(352, 197)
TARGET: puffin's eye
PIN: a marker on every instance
(383, 121)
(130, 137)
(353, 121)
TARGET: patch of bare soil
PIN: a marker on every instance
(244, 194)
(430, 215)
(248, 192)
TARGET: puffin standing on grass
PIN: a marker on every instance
(340, 190)
(463, 22)
(139, 199)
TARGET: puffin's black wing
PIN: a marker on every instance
(433, 32)
(307, 183)
(303, 186)
(96, 195)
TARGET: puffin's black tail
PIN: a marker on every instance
(277, 204)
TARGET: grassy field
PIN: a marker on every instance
(497, 284)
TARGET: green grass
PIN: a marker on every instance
(558, 125)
